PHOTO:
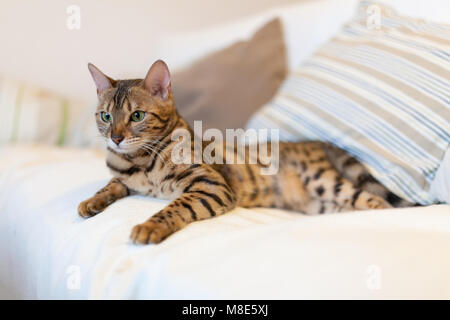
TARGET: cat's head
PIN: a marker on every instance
(132, 114)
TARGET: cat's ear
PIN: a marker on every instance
(157, 80)
(102, 81)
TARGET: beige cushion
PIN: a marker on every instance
(226, 87)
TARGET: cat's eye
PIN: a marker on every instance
(106, 117)
(137, 116)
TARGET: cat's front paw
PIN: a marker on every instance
(150, 232)
(90, 207)
(378, 203)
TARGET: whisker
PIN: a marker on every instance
(148, 148)
(148, 145)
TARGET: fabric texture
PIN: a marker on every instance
(380, 89)
(225, 88)
(47, 251)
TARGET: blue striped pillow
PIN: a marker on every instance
(380, 89)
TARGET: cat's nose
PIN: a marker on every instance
(117, 138)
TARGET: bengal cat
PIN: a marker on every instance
(137, 119)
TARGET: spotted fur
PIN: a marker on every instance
(306, 181)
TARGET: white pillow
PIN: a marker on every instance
(306, 26)
(440, 187)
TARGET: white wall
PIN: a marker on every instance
(121, 36)
(124, 37)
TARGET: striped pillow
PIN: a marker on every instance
(33, 115)
(381, 91)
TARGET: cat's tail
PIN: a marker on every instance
(353, 170)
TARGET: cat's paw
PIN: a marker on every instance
(150, 232)
(378, 203)
(90, 207)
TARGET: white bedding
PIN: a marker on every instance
(258, 253)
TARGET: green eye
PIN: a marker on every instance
(138, 116)
(106, 117)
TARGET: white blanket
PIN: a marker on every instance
(47, 251)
